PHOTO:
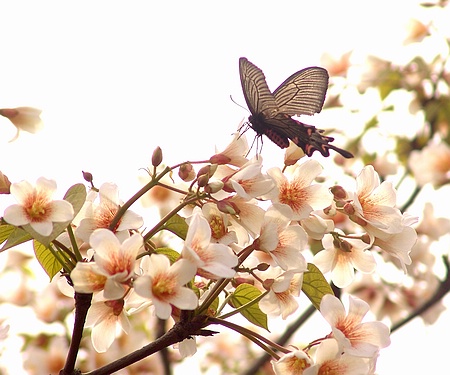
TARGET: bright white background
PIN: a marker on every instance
(116, 79)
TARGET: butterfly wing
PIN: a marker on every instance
(256, 92)
(282, 127)
(303, 93)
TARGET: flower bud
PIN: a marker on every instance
(228, 207)
(203, 180)
(219, 159)
(262, 267)
(88, 176)
(4, 184)
(349, 209)
(366, 238)
(214, 187)
(346, 246)
(207, 169)
(338, 192)
(186, 172)
(157, 157)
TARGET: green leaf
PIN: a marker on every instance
(13, 236)
(315, 286)
(244, 294)
(177, 225)
(169, 253)
(76, 195)
(46, 259)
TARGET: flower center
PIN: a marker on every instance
(37, 207)
(217, 227)
(292, 195)
(104, 215)
(163, 287)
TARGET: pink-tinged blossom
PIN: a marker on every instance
(398, 245)
(329, 361)
(101, 215)
(248, 182)
(107, 319)
(219, 224)
(342, 257)
(316, 227)
(234, 153)
(354, 336)
(293, 363)
(187, 347)
(375, 203)
(24, 119)
(162, 283)
(432, 226)
(283, 293)
(297, 192)
(431, 164)
(247, 214)
(281, 240)
(292, 154)
(114, 263)
(213, 260)
(36, 207)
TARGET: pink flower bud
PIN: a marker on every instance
(214, 187)
(338, 192)
(219, 159)
(228, 207)
(186, 172)
(157, 157)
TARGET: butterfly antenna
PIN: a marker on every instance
(238, 104)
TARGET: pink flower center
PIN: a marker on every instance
(164, 286)
(37, 207)
(292, 194)
(104, 214)
(116, 306)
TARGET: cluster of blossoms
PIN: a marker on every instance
(243, 227)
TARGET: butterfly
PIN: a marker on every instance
(303, 93)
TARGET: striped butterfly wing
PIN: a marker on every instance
(303, 93)
(256, 92)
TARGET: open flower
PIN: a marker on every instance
(281, 240)
(234, 153)
(23, 118)
(162, 283)
(298, 193)
(101, 215)
(107, 319)
(354, 336)
(36, 206)
(431, 164)
(281, 299)
(329, 360)
(213, 260)
(342, 258)
(248, 182)
(113, 266)
(295, 362)
(374, 203)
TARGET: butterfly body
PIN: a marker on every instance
(303, 93)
